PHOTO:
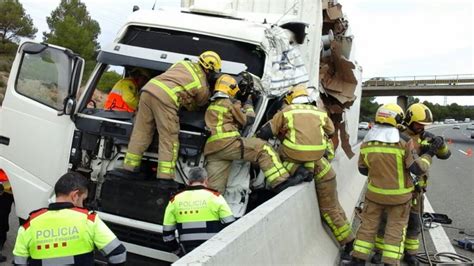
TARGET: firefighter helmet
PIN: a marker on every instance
(419, 113)
(389, 114)
(210, 61)
(295, 92)
(227, 84)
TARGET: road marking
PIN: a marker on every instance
(438, 235)
(463, 152)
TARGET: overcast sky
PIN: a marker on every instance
(393, 37)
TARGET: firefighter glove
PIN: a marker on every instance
(435, 145)
(427, 135)
(437, 142)
(249, 100)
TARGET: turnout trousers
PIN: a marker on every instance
(326, 191)
(412, 241)
(155, 114)
(395, 230)
(254, 150)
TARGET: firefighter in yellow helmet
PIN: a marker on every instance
(225, 116)
(388, 158)
(125, 93)
(184, 84)
(66, 233)
(198, 213)
(303, 130)
(418, 116)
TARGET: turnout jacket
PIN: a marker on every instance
(388, 167)
(65, 235)
(302, 128)
(183, 84)
(225, 117)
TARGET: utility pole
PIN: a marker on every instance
(445, 100)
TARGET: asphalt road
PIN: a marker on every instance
(451, 184)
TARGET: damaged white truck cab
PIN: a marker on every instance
(49, 125)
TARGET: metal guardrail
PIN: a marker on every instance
(397, 81)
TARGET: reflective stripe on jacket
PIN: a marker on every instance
(224, 118)
(63, 234)
(389, 166)
(183, 84)
(302, 129)
(123, 96)
(198, 213)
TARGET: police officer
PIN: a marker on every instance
(388, 158)
(198, 213)
(66, 233)
(304, 129)
(225, 116)
(418, 116)
(183, 84)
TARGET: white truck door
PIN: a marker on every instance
(36, 128)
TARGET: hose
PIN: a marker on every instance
(437, 258)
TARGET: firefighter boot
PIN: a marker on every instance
(356, 262)
(346, 252)
(376, 258)
(410, 259)
(304, 174)
(295, 179)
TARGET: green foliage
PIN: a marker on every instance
(108, 80)
(14, 23)
(2, 84)
(368, 107)
(453, 110)
(71, 26)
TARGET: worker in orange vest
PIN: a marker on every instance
(124, 95)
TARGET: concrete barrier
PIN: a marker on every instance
(284, 230)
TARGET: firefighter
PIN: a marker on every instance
(183, 84)
(388, 158)
(65, 233)
(225, 117)
(198, 213)
(418, 116)
(124, 94)
(304, 130)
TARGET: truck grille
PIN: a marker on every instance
(138, 236)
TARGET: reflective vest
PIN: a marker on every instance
(388, 175)
(183, 84)
(123, 96)
(198, 213)
(63, 234)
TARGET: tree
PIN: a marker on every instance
(14, 23)
(71, 26)
(108, 80)
(368, 107)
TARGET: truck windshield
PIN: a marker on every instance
(194, 44)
